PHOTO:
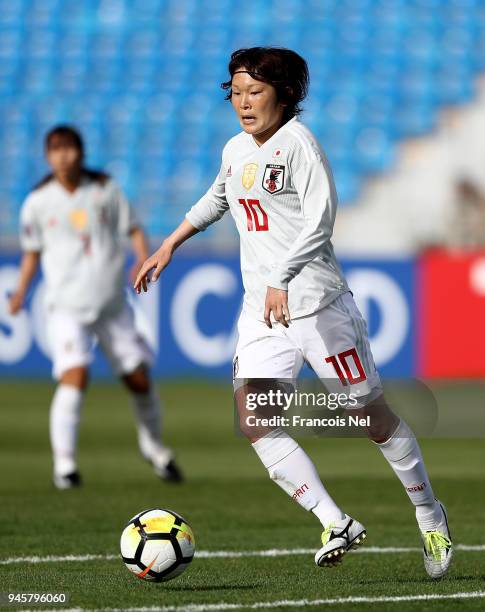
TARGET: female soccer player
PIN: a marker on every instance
(277, 184)
(77, 222)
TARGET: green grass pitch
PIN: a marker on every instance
(231, 505)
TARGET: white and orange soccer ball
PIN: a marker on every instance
(157, 545)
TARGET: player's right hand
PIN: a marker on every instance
(15, 302)
(157, 262)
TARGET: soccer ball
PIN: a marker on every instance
(157, 545)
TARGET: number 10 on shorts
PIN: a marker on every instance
(342, 367)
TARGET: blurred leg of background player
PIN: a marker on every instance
(130, 358)
(65, 414)
(147, 411)
(72, 344)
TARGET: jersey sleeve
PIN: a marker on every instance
(127, 220)
(318, 201)
(212, 206)
(30, 228)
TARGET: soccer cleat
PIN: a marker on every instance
(67, 481)
(438, 548)
(337, 539)
(164, 465)
(170, 472)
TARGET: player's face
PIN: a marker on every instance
(64, 158)
(256, 105)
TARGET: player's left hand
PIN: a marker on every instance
(16, 302)
(276, 303)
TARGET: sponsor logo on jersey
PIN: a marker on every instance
(273, 178)
(277, 153)
(229, 172)
(300, 491)
(249, 175)
(235, 367)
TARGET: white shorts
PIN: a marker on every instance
(333, 342)
(73, 342)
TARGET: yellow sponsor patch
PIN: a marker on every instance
(249, 175)
(79, 218)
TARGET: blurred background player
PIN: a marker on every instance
(277, 184)
(76, 221)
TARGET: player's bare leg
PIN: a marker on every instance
(401, 449)
(147, 410)
(292, 469)
(65, 414)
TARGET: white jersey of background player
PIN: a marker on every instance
(276, 183)
(77, 222)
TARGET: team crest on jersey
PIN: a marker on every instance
(249, 175)
(273, 178)
(79, 218)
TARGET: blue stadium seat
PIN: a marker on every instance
(348, 183)
(455, 85)
(80, 14)
(12, 13)
(374, 150)
(73, 44)
(43, 13)
(412, 120)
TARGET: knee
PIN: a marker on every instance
(138, 381)
(76, 377)
(247, 431)
(381, 432)
(382, 420)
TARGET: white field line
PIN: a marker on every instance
(236, 554)
(289, 603)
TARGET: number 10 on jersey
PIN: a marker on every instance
(257, 218)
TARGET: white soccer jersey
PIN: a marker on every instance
(82, 238)
(283, 200)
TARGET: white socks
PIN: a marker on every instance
(291, 468)
(146, 407)
(404, 456)
(64, 423)
(65, 415)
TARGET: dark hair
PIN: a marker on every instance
(282, 68)
(70, 135)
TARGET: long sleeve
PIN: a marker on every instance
(212, 206)
(30, 230)
(318, 200)
(127, 220)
